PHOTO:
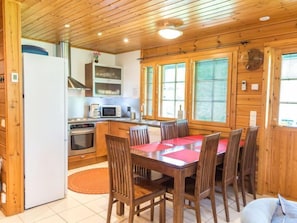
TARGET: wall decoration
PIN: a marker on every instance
(255, 59)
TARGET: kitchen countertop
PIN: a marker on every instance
(148, 122)
(153, 123)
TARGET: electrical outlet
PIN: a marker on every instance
(128, 109)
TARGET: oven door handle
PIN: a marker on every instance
(81, 131)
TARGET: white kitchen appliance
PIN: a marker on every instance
(45, 129)
(111, 111)
(94, 111)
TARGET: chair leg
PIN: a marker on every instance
(131, 214)
(225, 199)
(235, 189)
(152, 210)
(162, 214)
(252, 185)
(110, 203)
(213, 205)
(243, 190)
(197, 211)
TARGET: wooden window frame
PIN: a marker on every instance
(231, 86)
(188, 59)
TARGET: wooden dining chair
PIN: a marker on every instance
(247, 164)
(139, 135)
(123, 187)
(227, 174)
(182, 127)
(168, 130)
(203, 184)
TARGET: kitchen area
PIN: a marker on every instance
(86, 114)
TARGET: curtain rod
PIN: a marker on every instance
(219, 44)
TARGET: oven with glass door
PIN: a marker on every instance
(81, 138)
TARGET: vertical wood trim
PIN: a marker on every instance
(264, 141)
(14, 113)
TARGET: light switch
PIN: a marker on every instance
(253, 118)
(255, 87)
(14, 77)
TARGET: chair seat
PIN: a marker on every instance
(144, 188)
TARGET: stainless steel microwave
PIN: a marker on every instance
(111, 111)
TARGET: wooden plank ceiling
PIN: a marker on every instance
(140, 20)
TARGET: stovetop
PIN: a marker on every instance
(83, 119)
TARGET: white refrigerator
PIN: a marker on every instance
(45, 129)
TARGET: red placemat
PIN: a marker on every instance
(194, 137)
(225, 141)
(221, 147)
(156, 146)
(177, 141)
(185, 155)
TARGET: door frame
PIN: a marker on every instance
(270, 67)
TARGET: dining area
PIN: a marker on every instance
(179, 171)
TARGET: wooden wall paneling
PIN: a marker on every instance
(13, 97)
(256, 36)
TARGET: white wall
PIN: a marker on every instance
(79, 57)
(49, 47)
(131, 68)
(77, 102)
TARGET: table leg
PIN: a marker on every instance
(178, 195)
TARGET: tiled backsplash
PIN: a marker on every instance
(78, 104)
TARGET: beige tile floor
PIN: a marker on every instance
(83, 208)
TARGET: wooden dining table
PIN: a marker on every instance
(177, 158)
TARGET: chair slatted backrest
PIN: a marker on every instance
(139, 135)
(230, 165)
(248, 157)
(205, 174)
(120, 168)
(182, 127)
(168, 130)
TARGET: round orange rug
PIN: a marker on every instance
(92, 181)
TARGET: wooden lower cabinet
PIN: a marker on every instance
(81, 160)
(102, 128)
(120, 129)
(117, 128)
(91, 158)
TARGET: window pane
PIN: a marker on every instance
(202, 111)
(220, 91)
(168, 73)
(289, 66)
(172, 89)
(181, 70)
(211, 82)
(180, 89)
(288, 87)
(287, 115)
(219, 112)
(149, 77)
(168, 91)
(167, 109)
(288, 91)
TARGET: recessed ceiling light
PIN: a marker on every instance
(67, 25)
(264, 18)
(99, 34)
(126, 40)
